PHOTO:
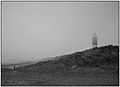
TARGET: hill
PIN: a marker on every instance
(92, 67)
(104, 57)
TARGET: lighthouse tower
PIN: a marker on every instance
(94, 40)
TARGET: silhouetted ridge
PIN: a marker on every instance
(96, 57)
(104, 57)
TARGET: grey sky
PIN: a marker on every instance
(35, 30)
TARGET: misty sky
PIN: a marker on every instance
(35, 30)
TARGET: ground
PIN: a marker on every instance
(81, 76)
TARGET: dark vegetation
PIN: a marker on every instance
(104, 57)
(99, 64)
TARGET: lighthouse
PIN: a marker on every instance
(94, 40)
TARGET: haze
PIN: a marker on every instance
(36, 30)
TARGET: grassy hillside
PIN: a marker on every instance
(97, 66)
(104, 57)
(96, 57)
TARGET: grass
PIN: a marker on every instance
(82, 76)
(97, 66)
